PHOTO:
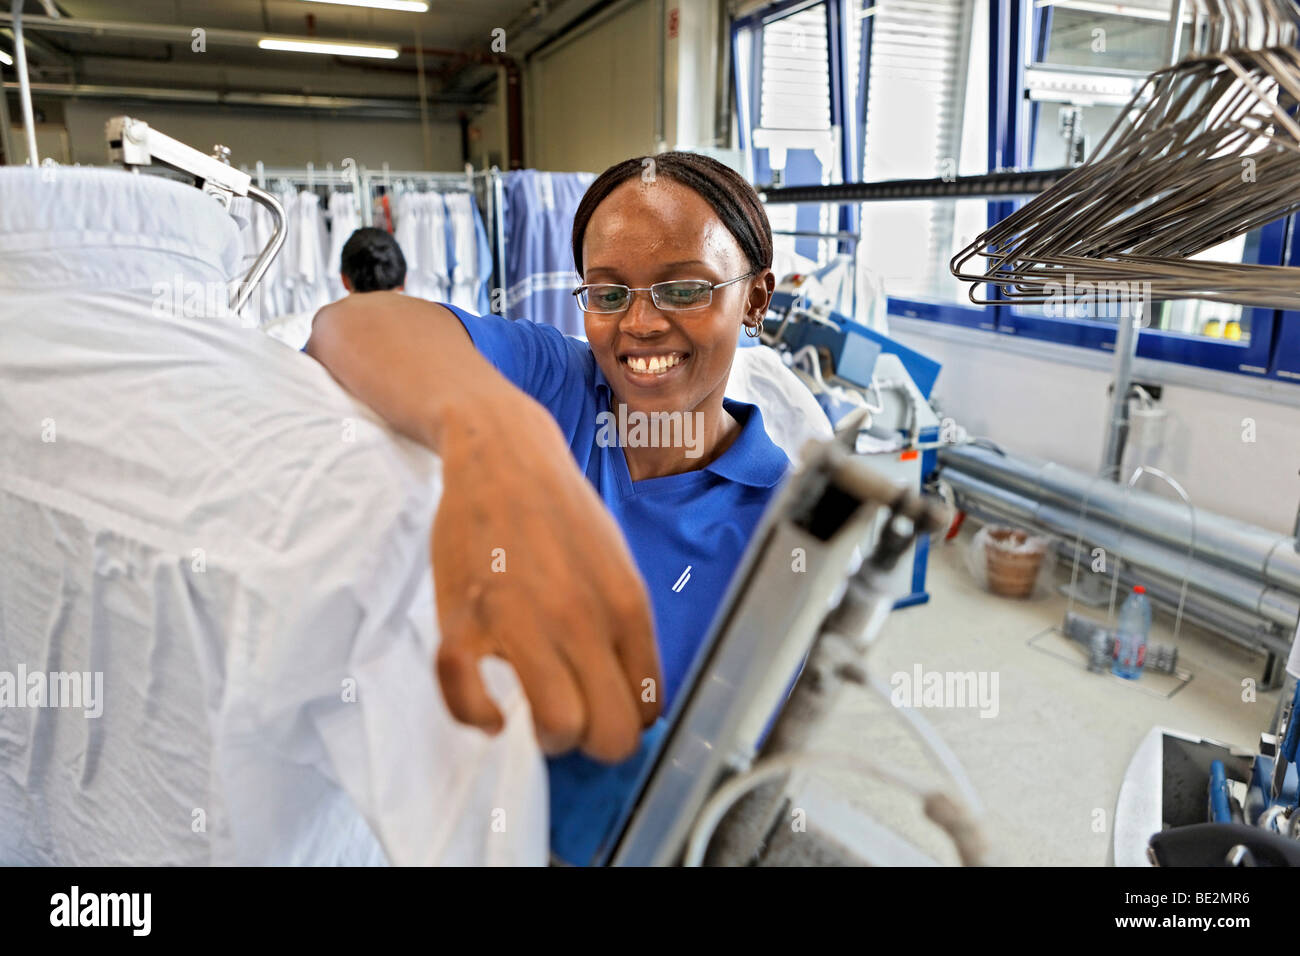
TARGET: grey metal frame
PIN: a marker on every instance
(765, 628)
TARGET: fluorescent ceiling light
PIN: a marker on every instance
(324, 46)
(6, 59)
(407, 6)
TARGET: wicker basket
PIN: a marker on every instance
(1012, 568)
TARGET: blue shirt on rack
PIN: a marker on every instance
(687, 533)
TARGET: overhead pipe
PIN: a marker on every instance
(6, 143)
(142, 30)
(371, 106)
(514, 93)
(24, 82)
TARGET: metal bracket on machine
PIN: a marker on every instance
(770, 622)
(133, 143)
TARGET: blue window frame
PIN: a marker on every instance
(829, 19)
(1284, 359)
(1273, 346)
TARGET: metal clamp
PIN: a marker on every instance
(133, 143)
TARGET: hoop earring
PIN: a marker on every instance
(755, 330)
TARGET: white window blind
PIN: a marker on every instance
(795, 94)
(916, 105)
(795, 85)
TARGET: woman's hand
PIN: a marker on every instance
(529, 566)
(532, 568)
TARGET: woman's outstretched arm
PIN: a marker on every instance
(570, 612)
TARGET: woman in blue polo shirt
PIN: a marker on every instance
(675, 255)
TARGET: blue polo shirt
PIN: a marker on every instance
(687, 533)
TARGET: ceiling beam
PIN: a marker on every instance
(370, 106)
(167, 33)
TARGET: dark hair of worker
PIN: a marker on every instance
(372, 261)
(732, 198)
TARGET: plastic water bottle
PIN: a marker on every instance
(1131, 638)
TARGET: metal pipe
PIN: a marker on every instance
(372, 106)
(24, 83)
(1202, 609)
(815, 234)
(1244, 548)
(661, 78)
(426, 135)
(1244, 592)
(167, 33)
(1126, 340)
(1176, 30)
(1160, 562)
(244, 291)
(6, 141)
(722, 80)
(514, 99)
(986, 185)
(498, 187)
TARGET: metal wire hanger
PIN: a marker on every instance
(1169, 179)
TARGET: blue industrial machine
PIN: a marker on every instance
(889, 417)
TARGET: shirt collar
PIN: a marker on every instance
(752, 459)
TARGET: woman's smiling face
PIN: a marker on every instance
(662, 360)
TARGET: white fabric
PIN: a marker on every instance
(420, 227)
(345, 219)
(293, 329)
(305, 250)
(305, 275)
(466, 275)
(424, 225)
(208, 520)
(791, 414)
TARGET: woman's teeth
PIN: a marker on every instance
(655, 364)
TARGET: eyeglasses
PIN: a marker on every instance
(678, 295)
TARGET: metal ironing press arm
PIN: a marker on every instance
(803, 563)
(133, 143)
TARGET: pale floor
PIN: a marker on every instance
(1048, 766)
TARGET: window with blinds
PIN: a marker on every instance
(795, 94)
(795, 88)
(922, 120)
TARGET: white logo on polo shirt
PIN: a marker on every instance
(681, 582)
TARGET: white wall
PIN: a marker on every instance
(277, 139)
(691, 78)
(592, 96)
(1052, 408)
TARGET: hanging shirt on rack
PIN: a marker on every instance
(306, 248)
(538, 222)
(421, 231)
(448, 257)
(345, 219)
(471, 254)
